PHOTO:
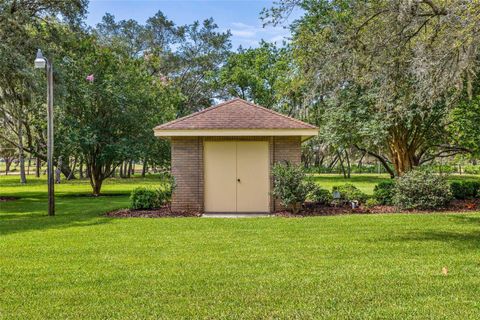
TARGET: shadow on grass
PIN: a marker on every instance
(467, 238)
(30, 214)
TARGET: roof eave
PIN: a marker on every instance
(303, 133)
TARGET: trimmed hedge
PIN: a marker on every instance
(465, 189)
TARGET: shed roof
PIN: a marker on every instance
(235, 114)
(236, 117)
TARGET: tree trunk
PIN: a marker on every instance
(29, 164)
(341, 165)
(133, 168)
(58, 171)
(125, 167)
(80, 169)
(360, 162)
(8, 163)
(349, 167)
(67, 171)
(382, 160)
(70, 176)
(403, 157)
(129, 171)
(144, 168)
(21, 154)
(96, 179)
(38, 166)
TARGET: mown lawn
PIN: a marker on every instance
(80, 264)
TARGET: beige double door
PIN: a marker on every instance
(236, 176)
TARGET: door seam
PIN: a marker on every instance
(236, 176)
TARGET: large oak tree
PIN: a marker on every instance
(398, 66)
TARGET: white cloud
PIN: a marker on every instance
(250, 35)
(243, 33)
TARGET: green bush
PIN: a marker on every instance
(321, 196)
(465, 189)
(149, 198)
(421, 190)
(165, 193)
(371, 202)
(144, 198)
(348, 192)
(383, 192)
(291, 185)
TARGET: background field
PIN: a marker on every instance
(80, 264)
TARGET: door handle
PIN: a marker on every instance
(238, 180)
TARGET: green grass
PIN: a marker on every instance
(80, 264)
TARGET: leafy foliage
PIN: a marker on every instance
(321, 196)
(291, 185)
(465, 189)
(421, 190)
(165, 193)
(371, 202)
(348, 192)
(144, 198)
(384, 191)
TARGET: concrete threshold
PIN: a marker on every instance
(236, 215)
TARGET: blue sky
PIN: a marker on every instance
(241, 17)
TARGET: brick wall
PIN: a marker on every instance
(287, 149)
(187, 166)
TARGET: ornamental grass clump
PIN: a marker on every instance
(291, 185)
(421, 190)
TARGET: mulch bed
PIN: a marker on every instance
(311, 209)
(5, 199)
(163, 212)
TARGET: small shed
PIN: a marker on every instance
(222, 156)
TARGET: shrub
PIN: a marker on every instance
(465, 189)
(165, 193)
(383, 192)
(321, 196)
(149, 198)
(371, 202)
(476, 187)
(421, 190)
(291, 185)
(144, 198)
(349, 192)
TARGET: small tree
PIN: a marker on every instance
(291, 185)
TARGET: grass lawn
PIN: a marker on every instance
(80, 264)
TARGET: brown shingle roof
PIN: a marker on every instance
(235, 114)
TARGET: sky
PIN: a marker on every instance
(241, 17)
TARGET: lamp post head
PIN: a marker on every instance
(40, 60)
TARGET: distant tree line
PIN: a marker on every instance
(393, 83)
